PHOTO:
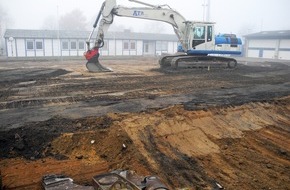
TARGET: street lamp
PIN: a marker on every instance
(11, 39)
(204, 10)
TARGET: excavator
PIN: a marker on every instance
(199, 46)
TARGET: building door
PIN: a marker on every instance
(146, 48)
(149, 47)
(260, 53)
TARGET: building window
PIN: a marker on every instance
(161, 46)
(164, 46)
(199, 32)
(29, 45)
(39, 45)
(73, 45)
(81, 45)
(132, 45)
(64, 45)
(125, 45)
(129, 45)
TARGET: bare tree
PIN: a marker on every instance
(74, 20)
(4, 22)
(119, 28)
(247, 28)
(50, 23)
(3, 17)
(156, 27)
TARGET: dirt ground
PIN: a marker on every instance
(195, 129)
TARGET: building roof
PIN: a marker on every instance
(66, 34)
(278, 34)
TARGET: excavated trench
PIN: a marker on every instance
(193, 129)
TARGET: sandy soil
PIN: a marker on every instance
(193, 128)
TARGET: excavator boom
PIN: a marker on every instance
(109, 9)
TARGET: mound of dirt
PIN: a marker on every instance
(32, 140)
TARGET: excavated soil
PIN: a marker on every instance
(195, 129)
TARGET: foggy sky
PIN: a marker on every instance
(231, 16)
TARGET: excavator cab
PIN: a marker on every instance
(198, 36)
(204, 42)
(202, 36)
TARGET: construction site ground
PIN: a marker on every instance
(195, 129)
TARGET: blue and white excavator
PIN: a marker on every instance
(199, 47)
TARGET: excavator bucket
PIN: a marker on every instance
(93, 64)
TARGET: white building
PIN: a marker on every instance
(268, 44)
(50, 43)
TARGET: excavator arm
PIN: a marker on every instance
(110, 9)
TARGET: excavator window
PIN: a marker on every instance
(199, 32)
(209, 33)
(198, 36)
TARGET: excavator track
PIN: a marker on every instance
(165, 61)
(197, 61)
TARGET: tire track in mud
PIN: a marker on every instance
(171, 168)
(251, 162)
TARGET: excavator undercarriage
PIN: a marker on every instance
(196, 61)
(175, 62)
